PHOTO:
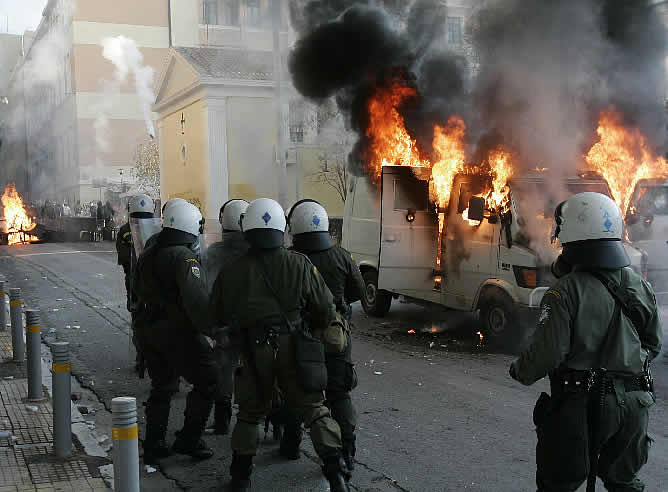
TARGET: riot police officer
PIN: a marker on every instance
(308, 224)
(220, 254)
(597, 331)
(275, 300)
(140, 209)
(172, 284)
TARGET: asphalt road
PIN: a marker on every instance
(437, 411)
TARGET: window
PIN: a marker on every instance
(231, 12)
(454, 30)
(296, 117)
(411, 193)
(253, 13)
(211, 12)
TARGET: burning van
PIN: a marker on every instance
(647, 227)
(468, 256)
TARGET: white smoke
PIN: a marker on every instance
(127, 59)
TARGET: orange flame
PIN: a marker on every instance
(17, 220)
(390, 143)
(451, 157)
(623, 157)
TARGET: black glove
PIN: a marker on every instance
(513, 371)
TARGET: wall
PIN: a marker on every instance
(184, 178)
(251, 137)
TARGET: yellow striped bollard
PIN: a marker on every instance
(16, 315)
(62, 399)
(126, 447)
(34, 346)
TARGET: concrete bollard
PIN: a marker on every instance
(34, 346)
(126, 445)
(3, 306)
(62, 399)
(16, 315)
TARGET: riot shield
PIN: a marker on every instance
(142, 229)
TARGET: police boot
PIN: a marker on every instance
(335, 472)
(292, 438)
(348, 451)
(241, 469)
(188, 440)
(222, 417)
(155, 447)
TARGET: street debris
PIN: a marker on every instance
(32, 408)
(378, 373)
(149, 469)
(83, 410)
(8, 378)
(52, 330)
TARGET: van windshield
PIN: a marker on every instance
(651, 200)
(533, 206)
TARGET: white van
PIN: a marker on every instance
(647, 224)
(499, 265)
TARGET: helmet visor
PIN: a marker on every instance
(605, 254)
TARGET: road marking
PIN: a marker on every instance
(54, 253)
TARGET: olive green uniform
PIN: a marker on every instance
(344, 280)
(242, 299)
(576, 314)
(172, 284)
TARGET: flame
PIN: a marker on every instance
(501, 170)
(480, 336)
(411, 332)
(451, 158)
(17, 220)
(390, 143)
(623, 157)
(465, 216)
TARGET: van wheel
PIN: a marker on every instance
(375, 302)
(497, 315)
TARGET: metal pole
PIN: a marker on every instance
(278, 72)
(62, 399)
(126, 447)
(16, 315)
(3, 306)
(34, 345)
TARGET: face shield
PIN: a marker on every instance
(142, 229)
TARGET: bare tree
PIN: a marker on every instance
(336, 142)
(146, 170)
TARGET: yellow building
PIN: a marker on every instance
(217, 132)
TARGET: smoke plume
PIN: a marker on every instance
(127, 59)
(544, 70)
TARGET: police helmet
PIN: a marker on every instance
(230, 214)
(589, 226)
(263, 223)
(309, 225)
(141, 205)
(181, 215)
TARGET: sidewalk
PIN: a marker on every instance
(27, 461)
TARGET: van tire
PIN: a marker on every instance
(498, 315)
(375, 302)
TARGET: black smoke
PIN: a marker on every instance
(539, 74)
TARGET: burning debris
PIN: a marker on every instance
(18, 224)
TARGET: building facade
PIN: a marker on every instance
(61, 96)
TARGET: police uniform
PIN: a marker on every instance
(124, 250)
(241, 298)
(219, 255)
(576, 314)
(345, 282)
(172, 284)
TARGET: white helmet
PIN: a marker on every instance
(263, 223)
(590, 227)
(309, 225)
(183, 216)
(230, 214)
(141, 204)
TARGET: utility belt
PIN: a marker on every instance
(262, 334)
(573, 381)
